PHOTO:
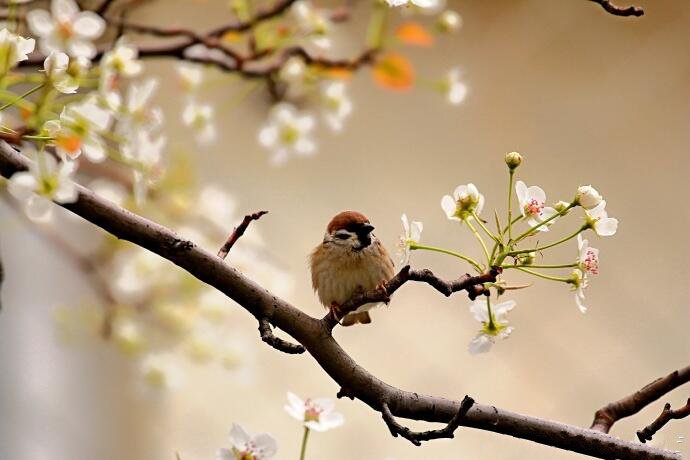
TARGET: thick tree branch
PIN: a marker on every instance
(619, 10)
(416, 437)
(315, 336)
(667, 414)
(605, 417)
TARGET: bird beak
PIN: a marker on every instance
(366, 229)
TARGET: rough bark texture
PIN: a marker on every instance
(315, 336)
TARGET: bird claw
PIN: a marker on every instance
(384, 293)
(336, 312)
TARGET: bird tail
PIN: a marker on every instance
(356, 318)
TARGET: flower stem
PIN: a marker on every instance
(481, 240)
(574, 264)
(484, 227)
(469, 260)
(303, 450)
(541, 275)
(510, 204)
(19, 98)
(530, 230)
(491, 324)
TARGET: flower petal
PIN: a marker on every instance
(606, 226)
(480, 344)
(448, 206)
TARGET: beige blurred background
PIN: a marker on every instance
(585, 96)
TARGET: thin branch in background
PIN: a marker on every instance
(237, 233)
(619, 10)
(605, 417)
(667, 414)
(416, 437)
(315, 336)
(103, 9)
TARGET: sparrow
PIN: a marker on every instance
(349, 260)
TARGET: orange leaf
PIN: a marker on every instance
(394, 71)
(414, 34)
(232, 36)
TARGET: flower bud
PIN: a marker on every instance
(449, 21)
(562, 207)
(587, 197)
(527, 258)
(513, 160)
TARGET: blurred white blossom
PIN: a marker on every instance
(337, 106)
(199, 117)
(316, 414)
(122, 60)
(66, 28)
(45, 180)
(190, 76)
(312, 23)
(13, 49)
(78, 130)
(453, 88)
(55, 66)
(287, 132)
(160, 371)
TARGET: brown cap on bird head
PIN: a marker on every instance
(349, 220)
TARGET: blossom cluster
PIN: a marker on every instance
(315, 414)
(518, 251)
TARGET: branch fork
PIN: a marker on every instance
(667, 414)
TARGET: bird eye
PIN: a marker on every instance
(342, 236)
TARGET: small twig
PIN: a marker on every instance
(238, 232)
(472, 284)
(103, 9)
(619, 10)
(605, 417)
(667, 414)
(416, 437)
(276, 342)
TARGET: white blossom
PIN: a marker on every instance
(248, 447)
(465, 200)
(578, 279)
(337, 106)
(587, 197)
(200, 118)
(78, 130)
(316, 414)
(412, 233)
(600, 222)
(494, 324)
(287, 132)
(13, 49)
(190, 76)
(313, 23)
(55, 66)
(588, 257)
(122, 60)
(66, 29)
(45, 181)
(454, 89)
(432, 5)
(532, 205)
